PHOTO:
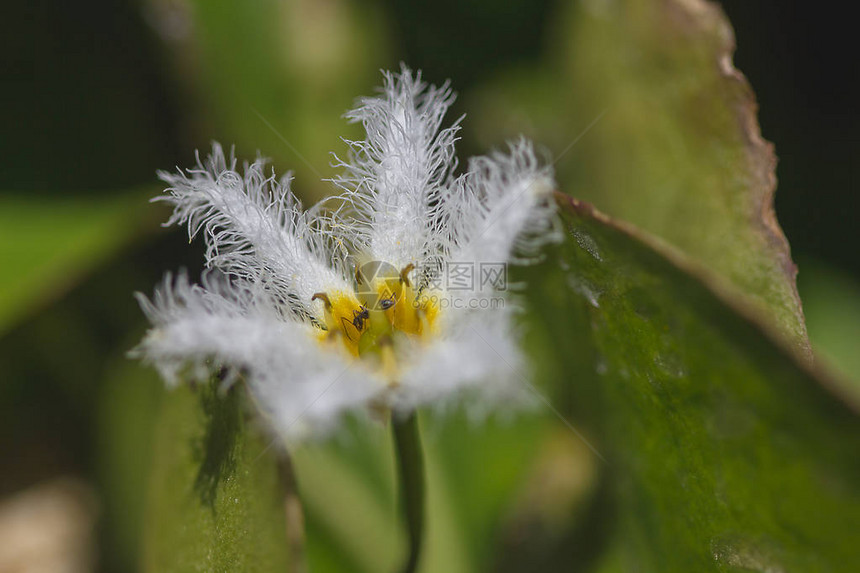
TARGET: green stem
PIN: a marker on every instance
(410, 467)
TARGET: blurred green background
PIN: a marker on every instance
(99, 95)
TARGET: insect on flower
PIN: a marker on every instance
(348, 303)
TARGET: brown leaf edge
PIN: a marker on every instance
(710, 17)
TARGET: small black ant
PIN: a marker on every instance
(358, 318)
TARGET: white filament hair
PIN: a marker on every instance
(235, 325)
(400, 204)
(255, 228)
(393, 178)
(477, 358)
(501, 210)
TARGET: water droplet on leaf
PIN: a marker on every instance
(734, 551)
(587, 243)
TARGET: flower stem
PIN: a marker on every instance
(410, 467)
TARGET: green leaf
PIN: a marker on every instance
(669, 138)
(48, 245)
(724, 452)
(216, 500)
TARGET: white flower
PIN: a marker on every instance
(350, 304)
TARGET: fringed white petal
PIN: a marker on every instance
(300, 384)
(400, 205)
(255, 228)
(476, 357)
(501, 210)
(393, 178)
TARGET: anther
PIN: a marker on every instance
(404, 278)
(323, 297)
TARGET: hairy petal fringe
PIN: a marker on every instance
(478, 358)
(299, 384)
(392, 180)
(255, 228)
(500, 211)
(252, 315)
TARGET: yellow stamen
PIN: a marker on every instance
(366, 322)
(410, 313)
(344, 318)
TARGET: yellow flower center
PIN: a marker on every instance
(366, 320)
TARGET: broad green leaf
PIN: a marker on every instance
(49, 244)
(724, 452)
(216, 502)
(669, 137)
